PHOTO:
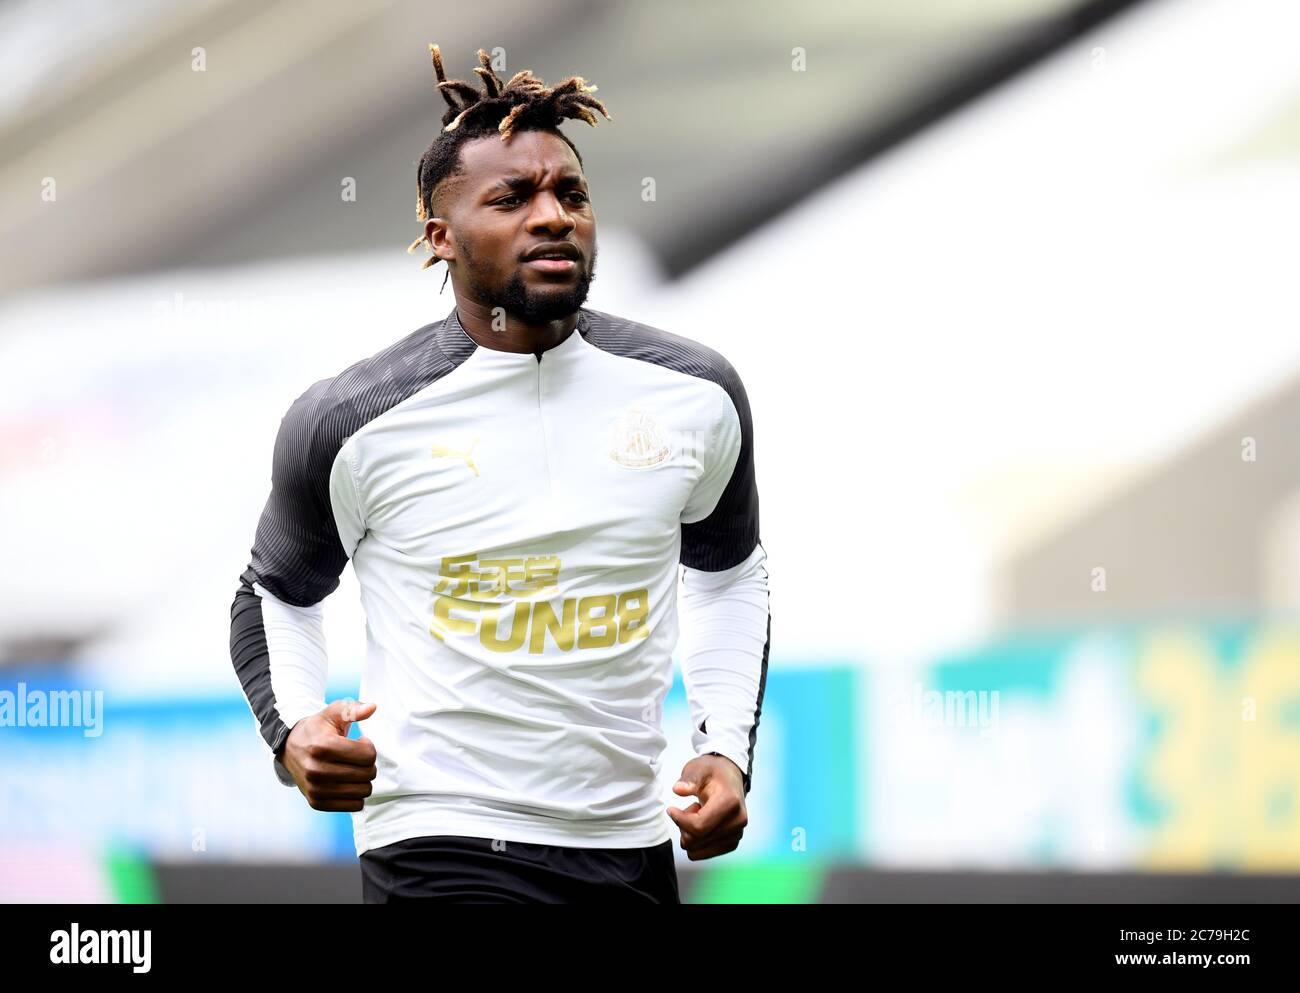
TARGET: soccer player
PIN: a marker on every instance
(517, 486)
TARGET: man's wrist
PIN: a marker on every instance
(744, 779)
(282, 772)
(732, 761)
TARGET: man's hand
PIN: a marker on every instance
(332, 771)
(715, 827)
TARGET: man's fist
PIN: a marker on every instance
(714, 827)
(333, 771)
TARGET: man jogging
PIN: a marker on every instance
(524, 488)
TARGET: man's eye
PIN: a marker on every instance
(507, 201)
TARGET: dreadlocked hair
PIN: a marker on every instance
(525, 103)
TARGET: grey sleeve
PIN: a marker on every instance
(296, 555)
(728, 535)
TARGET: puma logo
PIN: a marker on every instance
(448, 451)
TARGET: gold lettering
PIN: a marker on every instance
(444, 623)
(489, 636)
(498, 573)
(458, 568)
(633, 606)
(543, 573)
(544, 620)
(488, 587)
(587, 623)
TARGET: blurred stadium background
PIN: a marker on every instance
(1029, 494)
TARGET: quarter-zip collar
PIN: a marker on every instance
(458, 346)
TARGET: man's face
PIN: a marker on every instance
(513, 199)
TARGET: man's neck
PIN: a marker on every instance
(506, 333)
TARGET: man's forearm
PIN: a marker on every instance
(278, 652)
(295, 637)
(726, 627)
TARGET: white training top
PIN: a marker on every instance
(518, 523)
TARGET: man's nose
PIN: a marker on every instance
(549, 214)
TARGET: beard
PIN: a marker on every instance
(536, 304)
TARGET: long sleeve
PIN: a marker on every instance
(309, 528)
(727, 629)
(723, 598)
(295, 639)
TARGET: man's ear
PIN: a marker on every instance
(437, 233)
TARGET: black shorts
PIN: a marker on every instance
(457, 869)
